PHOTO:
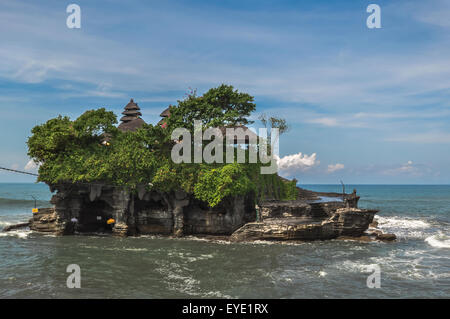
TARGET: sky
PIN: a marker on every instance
(365, 106)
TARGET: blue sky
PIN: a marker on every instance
(365, 105)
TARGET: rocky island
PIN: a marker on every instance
(121, 180)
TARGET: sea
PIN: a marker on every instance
(417, 265)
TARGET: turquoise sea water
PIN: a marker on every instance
(33, 265)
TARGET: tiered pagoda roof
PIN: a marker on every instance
(131, 120)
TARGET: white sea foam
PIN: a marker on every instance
(2, 223)
(177, 279)
(9, 221)
(115, 248)
(404, 227)
(23, 234)
(398, 222)
(392, 264)
(189, 257)
(439, 240)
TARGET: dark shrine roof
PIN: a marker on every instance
(131, 126)
(165, 113)
(131, 106)
(131, 120)
(132, 113)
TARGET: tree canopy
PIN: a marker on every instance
(73, 152)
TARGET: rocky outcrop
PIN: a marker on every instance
(90, 208)
(351, 222)
(16, 226)
(280, 229)
(87, 208)
(222, 220)
(386, 237)
(47, 221)
(376, 233)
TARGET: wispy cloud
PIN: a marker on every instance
(405, 169)
(313, 63)
(435, 12)
(336, 122)
(335, 167)
(422, 138)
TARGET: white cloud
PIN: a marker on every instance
(405, 169)
(335, 167)
(341, 77)
(295, 163)
(325, 121)
(341, 121)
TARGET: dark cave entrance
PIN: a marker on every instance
(93, 217)
(142, 205)
(153, 216)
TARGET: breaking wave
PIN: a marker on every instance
(433, 233)
(439, 240)
(3, 223)
(404, 227)
(20, 233)
(401, 222)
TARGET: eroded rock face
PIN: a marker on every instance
(386, 237)
(294, 229)
(85, 209)
(351, 222)
(285, 209)
(47, 221)
(222, 220)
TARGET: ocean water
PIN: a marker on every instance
(33, 265)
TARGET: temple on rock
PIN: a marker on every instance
(100, 206)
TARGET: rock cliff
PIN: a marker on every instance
(88, 209)
(300, 221)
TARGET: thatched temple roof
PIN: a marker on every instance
(165, 113)
(131, 120)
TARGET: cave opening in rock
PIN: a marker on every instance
(93, 217)
(144, 205)
(153, 216)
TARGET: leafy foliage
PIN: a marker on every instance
(216, 184)
(73, 152)
(221, 106)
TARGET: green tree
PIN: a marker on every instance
(221, 106)
(274, 122)
(72, 151)
(94, 123)
(51, 139)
